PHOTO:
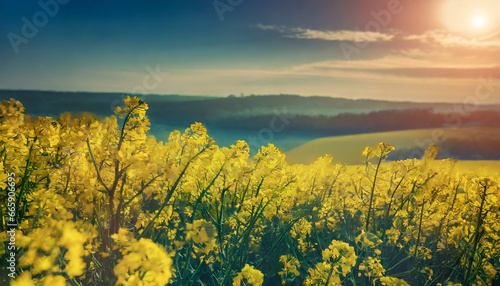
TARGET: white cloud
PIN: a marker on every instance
(443, 38)
(449, 40)
(412, 65)
(408, 59)
(328, 35)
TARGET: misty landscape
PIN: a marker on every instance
(290, 121)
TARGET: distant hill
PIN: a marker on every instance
(53, 103)
(466, 143)
(193, 108)
(285, 120)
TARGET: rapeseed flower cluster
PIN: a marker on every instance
(250, 275)
(116, 206)
(55, 250)
(290, 266)
(143, 262)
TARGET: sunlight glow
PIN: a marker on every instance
(471, 16)
(478, 22)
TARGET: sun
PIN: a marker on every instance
(471, 16)
(478, 22)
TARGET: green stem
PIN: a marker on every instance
(476, 234)
(280, 238)
(372, 194)
(329, 275)
(419, 230)
(171, 192)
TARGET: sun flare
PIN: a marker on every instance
(469, 16)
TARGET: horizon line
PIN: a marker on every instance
(239, 96)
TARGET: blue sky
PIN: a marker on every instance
(443, 50)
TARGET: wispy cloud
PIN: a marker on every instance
(328, 35)
(449, 40)
(432, 37)
(403, 65)
(401, 61)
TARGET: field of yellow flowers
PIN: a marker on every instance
(103, 203)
